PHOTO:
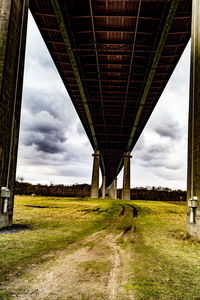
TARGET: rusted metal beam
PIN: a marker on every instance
(63, 30)
(113, 31)
(131, 65)
(167, 26)
(97, 61)
(116, 16)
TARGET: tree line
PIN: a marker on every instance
(83, 190)
(59, 190)
(158, 194)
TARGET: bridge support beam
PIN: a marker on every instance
(193, 180)
(126, 192)
(13, 25)
(95, 176)
(115, 184)
(104, 187)
(113, 189)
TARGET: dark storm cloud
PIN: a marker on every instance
(48, 143)
(41, 101)
(43, 130)
(170, 129)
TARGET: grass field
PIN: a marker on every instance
(159, 261)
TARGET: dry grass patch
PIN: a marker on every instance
(165, 261)
(105, 244)
(55, 223)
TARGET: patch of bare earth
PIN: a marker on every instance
(97, 270)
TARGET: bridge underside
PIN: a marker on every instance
(115, 58)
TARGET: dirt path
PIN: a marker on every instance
(96, 270)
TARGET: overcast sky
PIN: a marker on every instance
(53, 147)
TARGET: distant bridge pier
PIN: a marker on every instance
(104, 187)
(13, 27)
(94, 193)
(113, 189)
(126, 192)
(193, 180)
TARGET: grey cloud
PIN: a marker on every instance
(73, 172)
(43, 130)
(157, 148)
(56, 104)
(46, 143)
(154, 154)
(169, 129)
(80, 129)
(150, 152)
(52, 140)
(162, 164)
(39, 102)
(170, 176)
(48, 130)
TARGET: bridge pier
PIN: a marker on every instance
(113, 189)
(94, 193)
(13, 26)
(193, 180)
(104, 187)
(126, 192)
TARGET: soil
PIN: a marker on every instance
(97, 268)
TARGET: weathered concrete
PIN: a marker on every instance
(115, 190)
(104, 187)
(193, 181)
(126, 192)
(13, 25)
(95, 176)
(112, 191)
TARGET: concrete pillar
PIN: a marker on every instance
(115, 188)
(126, 193)
(112, 191)
(104, 187)
(13, 26)
(95, 176)
(193, 180)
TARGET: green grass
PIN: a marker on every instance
(164, 261)
(94, 267)
(55, 223)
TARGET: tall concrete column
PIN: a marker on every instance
(112, 190)
(104, 187)
(13, 26)
(193, 180)
(126, 193)
(115, 188)
(95, 176)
